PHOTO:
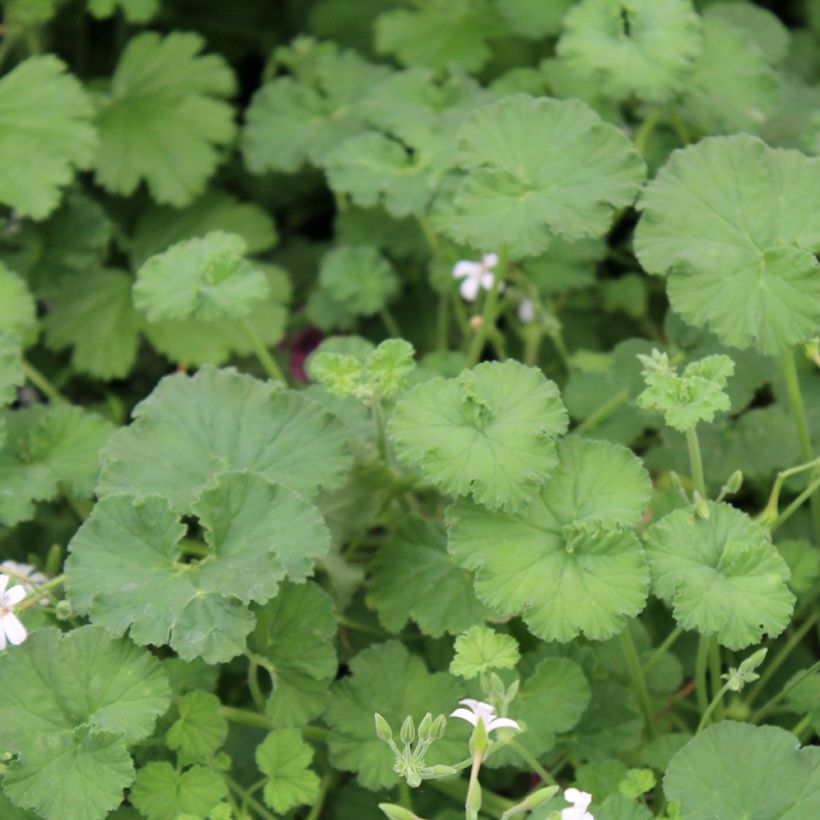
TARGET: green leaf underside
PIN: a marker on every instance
(735, 226)
(567, 562)
(640, 48)
(239, 423)
(487, 433)
(387, 679)
(413, 577)
(161, 792)
(69, 705)
(200, 728)
(481, 649)
(721, 575)
(295, 632)
(538, 168)
(285, 758)
(164, 118)
(125, 568)
(45, 134)
(737, 770)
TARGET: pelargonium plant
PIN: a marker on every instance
(409, 409)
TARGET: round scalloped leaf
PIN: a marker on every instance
(358, 277)
(769, 35)
(539, 168)
(720, 574)
(164, 792)
(481, 649)
(567, 562)
(487, 433)
(45, 134)
(205, 278)
(68, 706)
(127, 567)
(200, 728)
(533, 19)
(734, 770)
(633, 48)
(285, 759)
(190, 429)
(735, 225)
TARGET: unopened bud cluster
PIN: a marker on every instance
(416, 743)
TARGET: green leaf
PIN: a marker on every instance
(200, 728)
(721, 575)
(538, 168)
(566, 562)
(298, 119)
(551, 700)
(764, 28)
(290, 439)
(45, 134)
(533, 19)
(736, 770)
(164, 118)
(412, 577)
(68, 706)
(633, 48)
(48, 449)
(161, 792)
(732, 88)
(11, 376)
(387, 679)
(295, 632)
(358, 277)
(694, 396)
(92, 313)
(285, 758)
(135, 11)
(440, 34)
(487, 433)
(255, 533)
(618, 807)
(481, 649)
(803, 695)
(159, 227)
(19, 315)
(206, 279)
(735, 225)
(804, 566)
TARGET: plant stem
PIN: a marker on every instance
(265, 359)
(328, 781)
(46, 387)
(253, 685)
(37, 595)
(801, 726)
(700, 674)
(769, 513)
(717, 699)
(493, 804)
(390, 323)
(772, 702)
(695, 461)
(488, 316)
(808, 493)
(532, 762)
(645, 130)
(600, 413)
(247, 799)
(638, 681)
(789, 369)
(247, 718)
(714, 674)
(663, 648)
(428, 232)
(442, 322)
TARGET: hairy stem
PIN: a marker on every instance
(46, 387)
(695, 461)
(633, 661)
(265, 359)
(663, 648)
(488, 315)
(532, 762)
(714, 674)
(700, 674)
(602, 412)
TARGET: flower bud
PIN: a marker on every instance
(439, 770)
(396, 812)
(408, 731)
(479, 740)
(701, 506)
(734, 483)
(424, 726)
(438, 728)
(383, 729)
(534, 800)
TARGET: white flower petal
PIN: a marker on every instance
(502, 723)
(489, 260)
(14, 595)
(469, 288)
(526, 310)
(464, 268)
(15, 631)
(465, 714)
(487, 280)
(4, 580)
(2, 636)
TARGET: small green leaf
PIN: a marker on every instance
(200, 728)
(720, 574)
(487, 433)
(161, 792)
(358, 277)
(284, 757)
(135, 11)
(533, 19)
(68, 706)
(481, 649)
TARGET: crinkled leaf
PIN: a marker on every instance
(92, 313)
(69, 704)
(487, 433)
(413, 577)
(200, 728)
(48, 448)
(481, 649)
(126, 567)
(566, 562)
(735, 770)
(45, 134)
(247, 425)
(285, 758)
(633, 48)
(735, 225)
(164, 118)
(721, 575)
(387, 679)
(538, 168)
(161, 792)
(358, 277)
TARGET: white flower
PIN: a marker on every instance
(11, 630)
(485, 713)
(526, 310)
(476, 275)
(29, 571)
(580, 802)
